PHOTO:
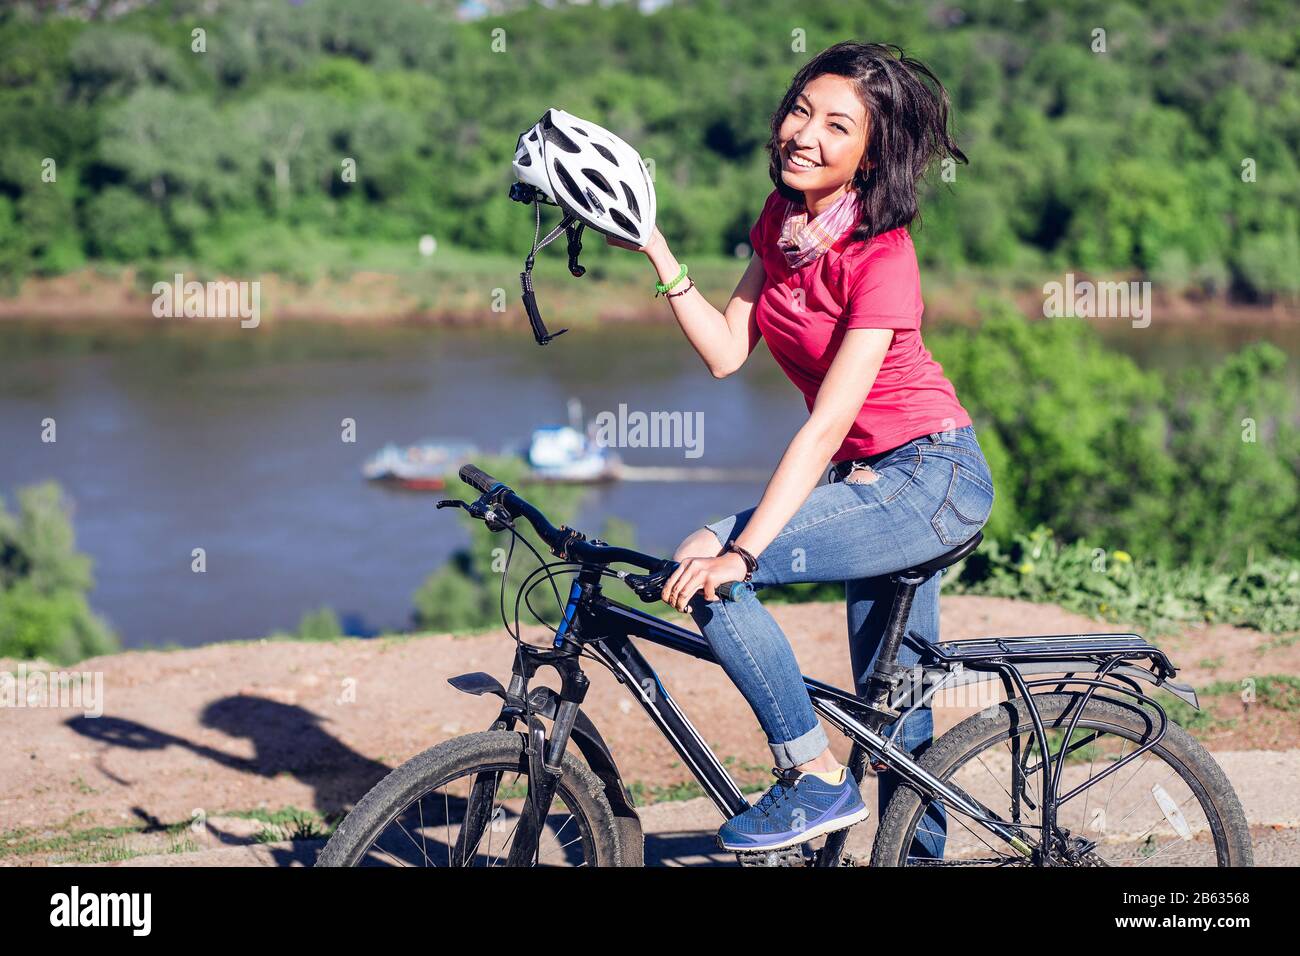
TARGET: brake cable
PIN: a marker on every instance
(587, 655)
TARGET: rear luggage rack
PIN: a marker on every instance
(1053, 647)
(1059, 653)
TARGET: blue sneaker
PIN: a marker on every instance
(798, 808)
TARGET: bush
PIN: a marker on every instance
(1196, 468)
(1264, 595)
(320, 625)
(1074, 434)
(43, 580)
(123, 227)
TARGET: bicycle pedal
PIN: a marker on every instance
(801, 855)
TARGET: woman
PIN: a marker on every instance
(833, 288)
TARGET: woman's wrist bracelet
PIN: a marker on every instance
(751, 562)
(672, 295)
(662, 289)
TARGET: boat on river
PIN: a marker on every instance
(423, 466)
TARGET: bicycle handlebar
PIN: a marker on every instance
(570, 544)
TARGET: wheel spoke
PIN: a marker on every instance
(1180, 790)
(409, 837)
(477, 799)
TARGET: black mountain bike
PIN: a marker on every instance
(1078, 767)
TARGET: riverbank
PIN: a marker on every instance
(487, 295)
(212, 745)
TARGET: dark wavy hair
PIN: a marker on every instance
(907, 109)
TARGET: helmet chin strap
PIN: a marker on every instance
(572, 227)
(574, 230)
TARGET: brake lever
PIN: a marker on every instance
(649, 587)
(495, 520)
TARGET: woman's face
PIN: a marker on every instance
(827, 128)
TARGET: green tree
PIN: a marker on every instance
(1233, 440)
(43, 583)
(123, 227)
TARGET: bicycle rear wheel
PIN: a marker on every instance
(1169, 806)
(460, 804)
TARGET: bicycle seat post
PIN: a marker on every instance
(886, 676)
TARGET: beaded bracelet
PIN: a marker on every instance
(673, 295)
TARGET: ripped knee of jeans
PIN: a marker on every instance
(862, 475)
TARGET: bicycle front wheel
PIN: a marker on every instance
(1170, 806)
(460, 804)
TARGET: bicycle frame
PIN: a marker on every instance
(604, 626)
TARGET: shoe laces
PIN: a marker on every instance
(780, 791)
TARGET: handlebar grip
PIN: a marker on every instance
(477, 477)
(731, 590)
(649, 587)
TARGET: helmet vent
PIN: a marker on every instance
(605, 152)
(624, 223)
(556, 137)
(570, 186)
(600, 181)
(631, 201)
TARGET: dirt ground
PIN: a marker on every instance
(229, 732)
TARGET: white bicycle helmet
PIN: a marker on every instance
(590, 173)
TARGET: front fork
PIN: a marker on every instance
(545, 766)
(545, 755)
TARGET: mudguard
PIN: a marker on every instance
(592, 746)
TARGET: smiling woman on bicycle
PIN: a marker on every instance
(834, 289)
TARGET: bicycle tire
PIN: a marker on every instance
(486, 751)
(977, 733)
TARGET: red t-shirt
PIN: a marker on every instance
(803, 315)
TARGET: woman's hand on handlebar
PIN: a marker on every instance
(702, 574)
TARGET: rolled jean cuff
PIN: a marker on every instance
(722, 528)
(803, 748)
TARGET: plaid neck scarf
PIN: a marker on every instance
(803, 241)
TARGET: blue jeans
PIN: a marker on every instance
(907, 506)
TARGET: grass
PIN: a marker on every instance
(1278, 643)
(1279, 692)
(453, 281)
(110, 844)
(287, 823)
(1195, 722)
(90, 845)
(644, 794)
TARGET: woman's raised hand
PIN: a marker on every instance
(655, 238)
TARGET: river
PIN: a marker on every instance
(178, 436)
